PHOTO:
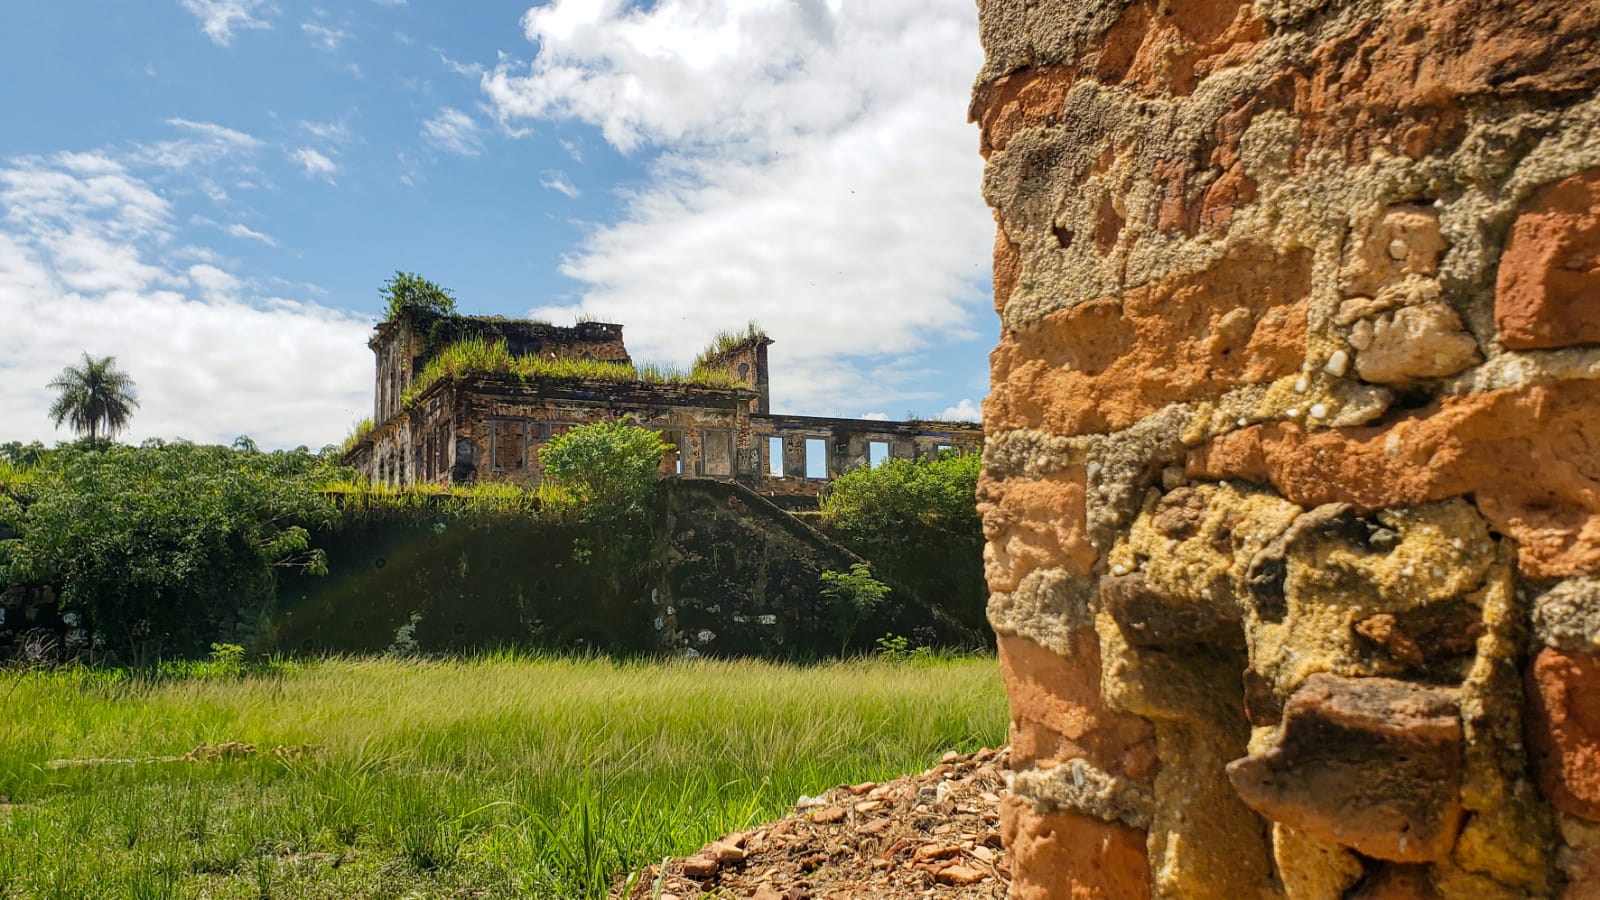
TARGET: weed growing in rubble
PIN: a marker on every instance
(496, 776)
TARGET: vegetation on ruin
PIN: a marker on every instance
(610, 468)
(490, 499)
(408, 292)
(498, 776)
(477, 356)
(95, 398)
(723, 341)
(358, 433)
(917, 520)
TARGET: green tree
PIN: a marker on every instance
(93, 396)
(917, 520)
(166, 548)
(850, 598)
(610, 467)
(410, 292)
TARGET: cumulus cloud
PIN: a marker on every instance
(811, 168)
(315, 164)
(91, 259)
(965, 411)
(453, 131)
(219, 18)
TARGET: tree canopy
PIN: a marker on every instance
(167, 547)
(93, 397)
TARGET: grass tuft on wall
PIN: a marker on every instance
(475, 356)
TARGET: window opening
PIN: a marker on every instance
(816, 458)
(775, 457)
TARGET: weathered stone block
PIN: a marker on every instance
(1548, 290)
(1563, 725)
(1368, 763)
(1067, 855)
(1150, 618)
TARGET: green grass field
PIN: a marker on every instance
(493, 777)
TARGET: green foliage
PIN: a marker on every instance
(609, 467)
(93, 397)
(917, 520)
(898, 648)
(477, 356)
(167, 547)
(723, 341)
(23, 455)
(547, 502)
(850, 598)
(227, 660)
(408, 292)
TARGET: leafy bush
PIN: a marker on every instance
(609, 467)
(850, 598)
(917, 520)
(409, 292)
(163, 549)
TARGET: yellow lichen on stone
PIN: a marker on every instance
(1312, 869)
(1510, 836)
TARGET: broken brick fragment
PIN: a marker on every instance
(1372, 764)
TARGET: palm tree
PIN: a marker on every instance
(93, 395)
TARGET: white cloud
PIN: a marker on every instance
(557, 180)
(328, 132)
(874, 416)
(963, 411)
(470, 70)
(89, 258)
(324, 37)
(315, 164)
(812, 168)
(455, 132)
(219, 18)
(244, 231)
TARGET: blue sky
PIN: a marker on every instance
(213, 191)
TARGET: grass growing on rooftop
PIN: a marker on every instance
(498, 776)
(723, 341)
(475, 355)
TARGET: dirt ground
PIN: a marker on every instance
(935, 834)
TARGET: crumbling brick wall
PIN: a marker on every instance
(1292, 483)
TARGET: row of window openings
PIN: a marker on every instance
(510, 445)
(816, 456)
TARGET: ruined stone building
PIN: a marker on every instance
(482, 425)
(1292, 482)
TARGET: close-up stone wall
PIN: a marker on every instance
(1292, 475)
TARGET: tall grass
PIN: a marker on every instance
(358, 433)
(546, 501)
(476, 355)
(500, 776)
(726, 340)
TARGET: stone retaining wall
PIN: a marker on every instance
(1292, 478)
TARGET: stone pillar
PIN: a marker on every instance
(1292, 475)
